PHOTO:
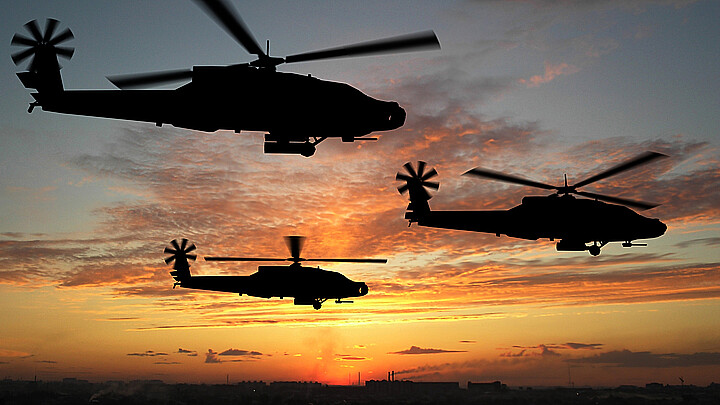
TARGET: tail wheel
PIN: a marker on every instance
(417, 180)
(40, 43)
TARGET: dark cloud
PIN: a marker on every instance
(22, 235)
(534, 351)
(46, 361)
(627, 358)
(212, 357)
(710, 242)
(187, 352)
(167, 362)
(468, 341)
(632, 5)
(419, 350)
(238, 352)
(347, 357)
(244, 355)
(581, 346)
(148, 353)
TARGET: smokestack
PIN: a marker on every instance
(358, 378)
(388, 376)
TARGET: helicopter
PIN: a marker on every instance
(579, 224)
(308, 285)
(295, 111)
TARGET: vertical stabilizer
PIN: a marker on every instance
(179, 253)
(42, 49)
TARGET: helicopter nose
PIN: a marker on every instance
(659, 227)
(363, 290)
(397, 116)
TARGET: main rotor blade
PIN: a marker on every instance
(617, 200)
(295, 244)
(490, 174)
(403, 43)
(143, 79)
(348, 260)
(232, 23)
(64, 36)
(241, 259)
(636, 161)
(18, 39)
(34, 29)
(50, 28)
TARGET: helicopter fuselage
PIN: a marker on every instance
(573, 221)
(288, 106)
(307, 285)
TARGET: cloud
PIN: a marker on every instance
(212, 357)
(551, 72)
(631, 5)
(419, 350)
(4, 353)
(347, 357)
(245, 355)
(238, 352)
(710, 242)
(542, 351)
(549, 349)
(587, 346)
(148, 353)
(187, 352)
(627, 358)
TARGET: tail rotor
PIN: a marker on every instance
(417, 181)
(42, 47)
(179, 253)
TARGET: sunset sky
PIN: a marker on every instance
(538, 88)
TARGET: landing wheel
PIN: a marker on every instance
(594, 250)
(317, 304)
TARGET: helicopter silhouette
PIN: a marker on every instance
(296, 112)
(575, 222)
(308, 285)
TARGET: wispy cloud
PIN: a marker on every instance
(147, 353)
(420, 350)
(234, 355)
(628, 358)
(551, 72)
